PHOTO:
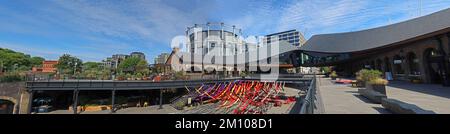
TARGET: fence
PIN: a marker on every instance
(309, 102)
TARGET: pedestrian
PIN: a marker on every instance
(138, 104)
(145, 104)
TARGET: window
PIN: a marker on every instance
(398, 64)
(413, 64)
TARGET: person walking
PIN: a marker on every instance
(145, 104)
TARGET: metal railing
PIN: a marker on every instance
(308, 104)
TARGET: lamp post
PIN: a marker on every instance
(75, 68)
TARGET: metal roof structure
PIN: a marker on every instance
(422, 27)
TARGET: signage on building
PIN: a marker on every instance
(397, 61)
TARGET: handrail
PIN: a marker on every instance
(309, 100)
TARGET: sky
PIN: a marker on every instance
(95, 29)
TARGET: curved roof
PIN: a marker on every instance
(378, 37)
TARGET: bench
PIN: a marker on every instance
(374, 96)
(399, 107)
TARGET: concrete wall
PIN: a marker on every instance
(16, 93)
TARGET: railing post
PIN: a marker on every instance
(75, 101)
(160, 98)
(113, 98)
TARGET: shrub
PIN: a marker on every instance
(326, 70)
(368, 75)
(128, 75)
(139, 75)
(243, 74)
(378, 81)
(11, 77)
(333, 74)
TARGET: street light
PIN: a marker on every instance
(75, 68)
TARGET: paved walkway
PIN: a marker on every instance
(427, 96)
(343, 99)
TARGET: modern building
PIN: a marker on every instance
(48, 66)
(114, 61)
(417, 49)
(138, 54)
(216, 39)
(294, 37)
(162, 58)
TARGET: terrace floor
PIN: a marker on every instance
(344, 99)
(427, 96)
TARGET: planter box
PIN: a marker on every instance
(333, 78)
(375, 97)
(360, 83)
(399, 107)
(378, 88)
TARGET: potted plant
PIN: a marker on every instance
(326, 71)
(378, 84)
(120, 77)
(333, 75)
(366, 75)
(145, 77)
(129, 76)
(138, 76)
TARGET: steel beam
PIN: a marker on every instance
(75, 101)
(113, 98)
(160, 98)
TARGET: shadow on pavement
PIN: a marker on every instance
(431, 89)
(362, 98)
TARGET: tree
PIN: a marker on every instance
(91, 66)
(68, 64)
(91, 70)
(142, 67)
(36, 61)
(134, 65)
(11, 60)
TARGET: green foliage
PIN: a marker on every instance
(11, 77)
(128, 75)
(13, 61)
(326, 70)
(244, 74)
(134, 65)
(333, 74)
(139, 75)
(36, 61)
(91, 66)
(68, 64)
(368, 75)
(378, 81)
(105, 74)
(179, 75)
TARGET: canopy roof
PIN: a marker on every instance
(379, 37)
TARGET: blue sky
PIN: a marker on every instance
(93, 30)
